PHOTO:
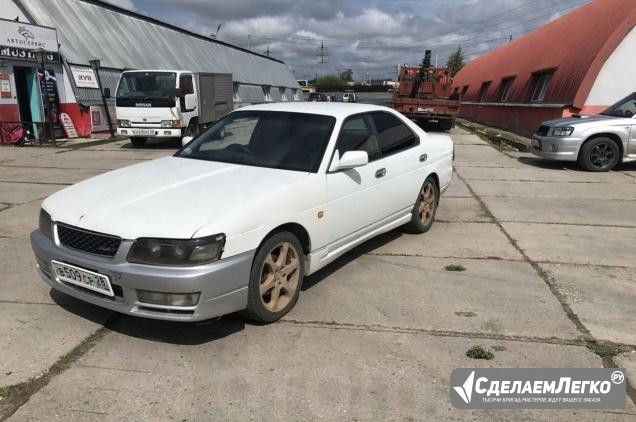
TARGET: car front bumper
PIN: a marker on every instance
(556, 148)
(222, 284)
(149, 132)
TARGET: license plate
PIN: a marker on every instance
(81, 277)
(425, 110)
(143, 132)
(536, 143)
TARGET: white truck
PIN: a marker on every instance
(170, 103)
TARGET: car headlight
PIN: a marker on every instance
(123, 123)
(46, 224)
(177, 252)
(562, 131)
(170, 123)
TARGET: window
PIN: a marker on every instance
(624, 108)
(283, 94)
(281, 140)
(296, 94)
(186, 85)
(393, 135)
(267, 92)
(482, 91)
(464, 90)
(235, 87)
(541, 85)
(357, 134)
(506, 85)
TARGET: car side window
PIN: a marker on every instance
(393, 135)
(356, 134)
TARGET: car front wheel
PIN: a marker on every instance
(423, 214)
(599, 154)
(276, 278)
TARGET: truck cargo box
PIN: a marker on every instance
(216, 96)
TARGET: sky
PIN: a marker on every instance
(371, 37)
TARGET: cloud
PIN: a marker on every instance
(365, 35)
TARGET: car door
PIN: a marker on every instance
(352, 206)
(403, 161)
(186, 85)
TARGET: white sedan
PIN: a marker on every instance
(236, 219)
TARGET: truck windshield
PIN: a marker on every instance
(282, 140)
(147, 85)
(624, 108)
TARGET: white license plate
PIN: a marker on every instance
(143, 131)
(81, 277)
(425, 110)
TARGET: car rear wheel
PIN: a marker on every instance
(423, 214)
(599, 154)
(138, 142)
(276, 278)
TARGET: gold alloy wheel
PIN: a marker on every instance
(427, 203)
(279, 277)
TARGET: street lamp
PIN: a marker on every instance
(95, 65)
(40, 57)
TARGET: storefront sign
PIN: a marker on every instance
(27, 36)
(68, 126)
(5, 86)
(84, 77)
(98, 119)
(50, 96)
(22, 54)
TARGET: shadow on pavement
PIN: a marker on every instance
(155, 144)
(567, 165)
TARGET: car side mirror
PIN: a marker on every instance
(106, 92)
(186, 140)
(349, 160)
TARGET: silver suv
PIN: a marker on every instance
(598, 142)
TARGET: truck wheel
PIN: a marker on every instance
(192, 129)
(445, 124)
(276, 278)
(138, 142)
(599, 154)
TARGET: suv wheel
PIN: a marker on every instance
(276, 278)
(599, 154)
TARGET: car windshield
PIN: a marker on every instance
(624, 108)
(147, 85)
(282, 140)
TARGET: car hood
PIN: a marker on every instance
(167, 198)
(582, 120)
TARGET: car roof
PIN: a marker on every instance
(335, 109)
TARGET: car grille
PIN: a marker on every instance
(87, 241)
(543, 130)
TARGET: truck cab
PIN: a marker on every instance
(170, 103)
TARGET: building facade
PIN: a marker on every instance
(580, 63)
(72, 32)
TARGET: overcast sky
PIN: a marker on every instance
(369, 36)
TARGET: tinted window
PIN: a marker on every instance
(185, 83)
(290, 141)
(393, 135)
(356, 134)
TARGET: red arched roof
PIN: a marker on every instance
(575, 46)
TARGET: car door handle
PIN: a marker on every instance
(380, 173)
(423, 158)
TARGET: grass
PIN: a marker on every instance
(478, 352)
(4, 392)
(455, 267)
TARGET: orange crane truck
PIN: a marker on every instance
(424, 94)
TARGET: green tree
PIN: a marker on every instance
(329, 81)
(456, 60)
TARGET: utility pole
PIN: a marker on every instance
(267, 52)
(510, 38)
(249, 38)
(323, 57)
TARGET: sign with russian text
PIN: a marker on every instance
(538, 388)
(68, 126)
(23, 54)
(27, 36)
(5, 86)
(84, 77)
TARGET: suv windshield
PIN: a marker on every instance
(624, 108)
(147, 85)
(283, 140)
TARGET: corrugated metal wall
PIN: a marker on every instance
(88, 29)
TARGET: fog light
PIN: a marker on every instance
(554, 148)
(168, 299)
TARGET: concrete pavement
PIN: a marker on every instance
(548, 282)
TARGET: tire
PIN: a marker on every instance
(445, 124)
(599, 154)
(138, 142)
(423, 214)
(267, 270)
(192, 129)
